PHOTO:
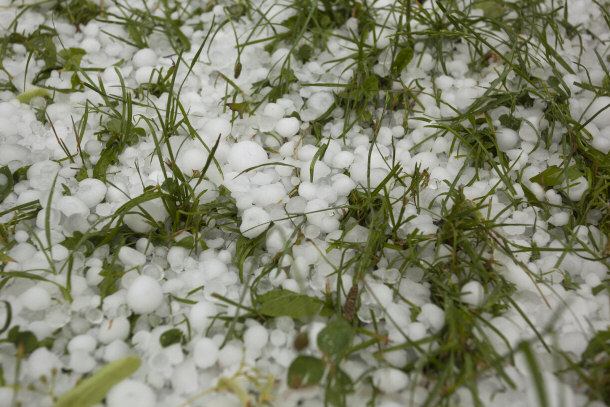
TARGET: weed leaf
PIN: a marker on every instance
(279, 303)
(305, 371)
(336, 338)
(93, 390)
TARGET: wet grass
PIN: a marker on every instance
(382, 71)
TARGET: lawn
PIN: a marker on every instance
(304, 203)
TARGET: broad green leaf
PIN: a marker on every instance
(491, 8)
(339, 385)
(305, 371)
(30, 94)
(108, 157)
(279, 303)
(93, 390)
(371, 86)
(550, 177)
(555, 175)
(25, 341)
(402, 59)
(336, 338)
(171, 337)
(599, 343)
(6, 182)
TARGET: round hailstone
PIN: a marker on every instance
(41, 363)
(138, 223)
(36, 298)
(507, 139)
(256, 337)
(192, 160)
(131, 393)
(144, 57)
(144, 295)
(254, 221)
(231, 355)
(86, 343)
(70, 205)
(246, 154)
(13, 152)
(390, 380)
(274, 110)
(131, 257)
(287, 127)
(432, 316)
(200, 315)
(213, 268)
(603, 118)
(218, 126)
(81, 362)
(91, 191)
(205, 353)
(473, 293)
(113, 329)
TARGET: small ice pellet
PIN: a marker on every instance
(86, 343)
(473, 293)
(42, 363)
(144, 57)
(273, 110)
(416, 331)
(205, 353)
(113, 329)
(432, 316)
(559, 219)
(256, 337)
(287, 127)
(277, 337)
(144, 295)
(506, 139)
(601, 108)
(21, 236)
(230, 355)
(91, 191)
(184, 378)
(246, 154)
(131, 393)
(115, 350)
(59, 252)
(390, 380)
(213, 268)
(254, 221)
(81, 362)
(69, 205)
(36, 298)
(201, 314)
(131, 257)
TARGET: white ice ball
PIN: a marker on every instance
(473, 293)
(113, 329)
(144, 295)
(254, 221)
(506, 138)
(287, 127)
(36, 298)
(42, 362)
(390, 380)
(246, 154)
(601, 105)
(131, 393)
(256, 337)
(131, 257)
(205, 353)
(91, 191)
(144, 57)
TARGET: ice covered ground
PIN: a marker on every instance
(305, 203)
